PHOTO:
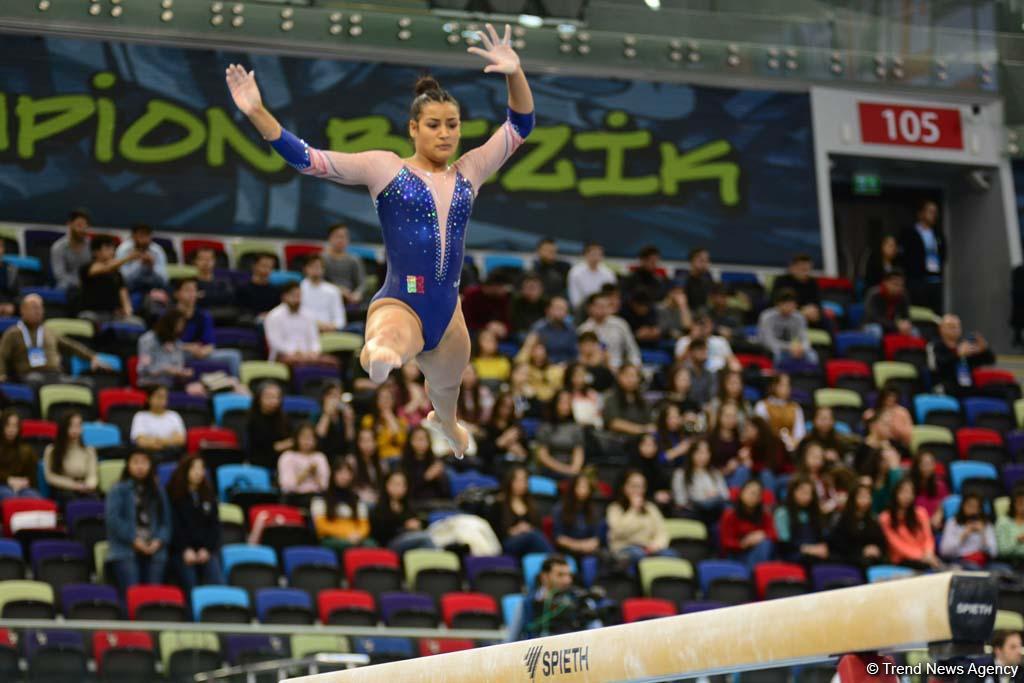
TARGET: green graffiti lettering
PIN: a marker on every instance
(157, 114)
(5, 141)
(365, 133)
(701, 164)
(224, 133)
(615, 145)
(106, 118)
(541, 147)
(66, 112)
(476, 128)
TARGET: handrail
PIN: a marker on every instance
(280, 665)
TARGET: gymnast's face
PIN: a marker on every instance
(436, 132)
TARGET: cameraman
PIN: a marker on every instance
(556, 606)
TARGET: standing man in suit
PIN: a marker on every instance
(1006, 653)
(923, 255)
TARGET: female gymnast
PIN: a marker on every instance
(417, 313)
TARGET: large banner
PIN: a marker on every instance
(139, 133)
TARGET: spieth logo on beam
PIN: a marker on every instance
(556, 662)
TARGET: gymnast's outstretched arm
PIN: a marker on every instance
(365, 168)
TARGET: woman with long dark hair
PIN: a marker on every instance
(340, 518)
(698, 487)
(587, 403)
(908, 531)
(390, 429)
(475, 402)
(969, 539)
(823, 432)
(577, 523)
(71, 468)
(882, 260)
(139, 524)
(931, 488)
(762, 452)
(196, 541)
(725, 441)
(18, 462)
(799, 523)
(559, 441)
(393, 522)
(730, 390)
(672, 436)
(425, 471)
(644, 457)
(303, 470)
(366, 463)
(747, 531)
(515, 518)
(268, 432)
(625, 410)
(417, 316)
(857, 538)
(336, 426)
(504, 441)
(636, 527)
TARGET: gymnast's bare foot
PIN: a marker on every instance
(379, 361)
(456, 436)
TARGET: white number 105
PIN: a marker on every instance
(912, 126)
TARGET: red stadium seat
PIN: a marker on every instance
(298, 252)
(838, 283)
(637, 609)
(456, 604)
(13, 506)
(335, 600)
(216, 437)
(358, 558)
(109, 398)
(440, 646)
(751, 361)
(972, 436)
(984, 377)
(836, 369)
(141, 596)
(894, 343)
(279, 514)
(190, 247)
(133, 371)
(115, 641)
(767, 573)
(38, 429)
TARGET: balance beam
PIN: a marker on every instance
(957, 607)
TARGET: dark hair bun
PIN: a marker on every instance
(425, 84)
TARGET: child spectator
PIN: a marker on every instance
(303, 469)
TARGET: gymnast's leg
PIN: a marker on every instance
(394, 336)
(442, 368)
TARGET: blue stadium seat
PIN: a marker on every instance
(301, 405)
(241, 553)
(242, 477)
(950, 505)
(284, 605)
(977, 407)
(164, 472)
(885, 572)
(493, 261)
(81, 366)
(961, 470)
(709, 571)
(460, 481)
(281, 277)
(926, 403)
(512, 611)
(301, 556)
(826, 576)
(543, 486)
(222, 403)
(101, 435)
(204, 597)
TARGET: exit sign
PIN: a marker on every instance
(867, 184)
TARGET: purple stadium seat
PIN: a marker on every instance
(474, 564)
(82, 509)
(90, 601)
(701, 606)
(826, 576)
(408, 609)
(250, 648)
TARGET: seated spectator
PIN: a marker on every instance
(162, 357)
(196, 540)
(719, 353)
(543, 376)
(486, 306)
(952, 358)
(625, 410)
(901, 424)
(878, 451)
(389, 429)
(555, 332)
(968, 538)
(762, 452)
(551, 271)
(336, 424)
(642, 318)
(268, 434)
(104, 296)
(747, 531)
(528, 304)
(71, 468)
(8, 285)
(644, 459)
(1010, 529)
(887, 307)
(908, 531)
(783, 330)
(784, 415)
(475, 402)
(342, 268)
(612, 331)
(214, 291)
(69, 253)
(725, 443)
(303, 469)
(367, 466)
(424, 470)
(503, 441)
(560, 440)
(197, 338)
(698, 278)
(19, 466)
(726, 318)
(593, 358)
(811, 465)
(799, 524)
(413, 403)
(823, 432)
(577, 524)
(340, 518)
(674, 433)
(674, 315)
(636, 527)
(321, 300)
(139, 524)
(797, 278)
(882, 260)
(158, 430)
(149, 270)
(292, 335)
(587, 403)
(393, 521)
(931, 488)
(698, 487)
(702, 380)
(489, 363)
(587, 277)
(515, 519)
(730, 390)
(857, 538)
(258, 296)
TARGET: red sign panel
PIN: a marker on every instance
(894, 124)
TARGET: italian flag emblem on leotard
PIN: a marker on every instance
(414, 284)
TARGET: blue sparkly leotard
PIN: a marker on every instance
(423, 215)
